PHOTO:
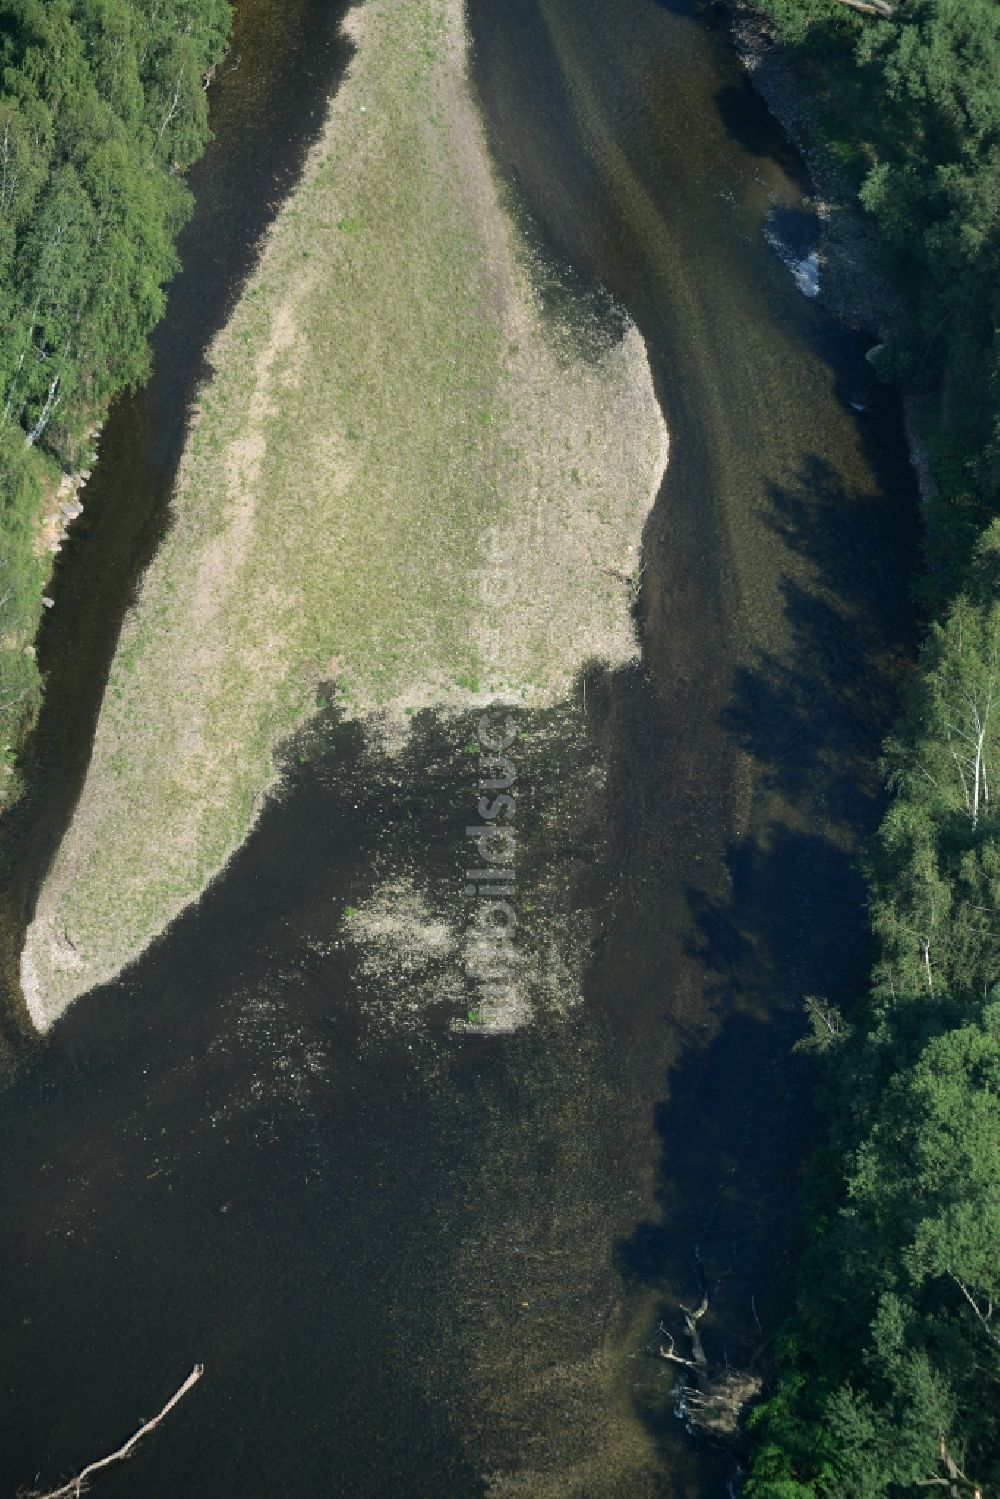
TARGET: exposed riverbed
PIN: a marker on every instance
(415, 1260)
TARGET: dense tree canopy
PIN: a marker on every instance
(889, 1369)
(102, 105)
(103, 101)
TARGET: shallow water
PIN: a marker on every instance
(412, 1258)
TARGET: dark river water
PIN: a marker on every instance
(416, 1262)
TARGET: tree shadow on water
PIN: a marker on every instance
(805, 719)
(812, 714)
(736, 1118)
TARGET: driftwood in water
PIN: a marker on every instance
(74, 1488)
(713, 1400)
(716, 1407)
(691, 1320)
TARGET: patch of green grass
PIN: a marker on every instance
(297, 556)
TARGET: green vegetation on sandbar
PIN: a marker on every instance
(889, 1368)
(404, 480)
(102, 104)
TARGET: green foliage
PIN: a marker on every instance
(826, 1026)
(889, 1370)
(916, 99)
(896, 1369)
(936, 860)
(21, 579)
(102, 103)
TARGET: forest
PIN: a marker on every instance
(889, 1366)
(102, 107)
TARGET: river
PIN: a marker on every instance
(415, 1261)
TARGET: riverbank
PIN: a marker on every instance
(93, 199)
(907, 1064)
(387, 397)
(855, 284)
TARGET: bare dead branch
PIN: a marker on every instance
(670, 1355)
(880, 8)
(75, 1487)
(983, 1318)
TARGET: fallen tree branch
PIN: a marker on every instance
(74, 1488)
(668, 1353)
(691, 1320)
(880, 8)
(714, 1400)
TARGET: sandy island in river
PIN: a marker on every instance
(387, 396)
